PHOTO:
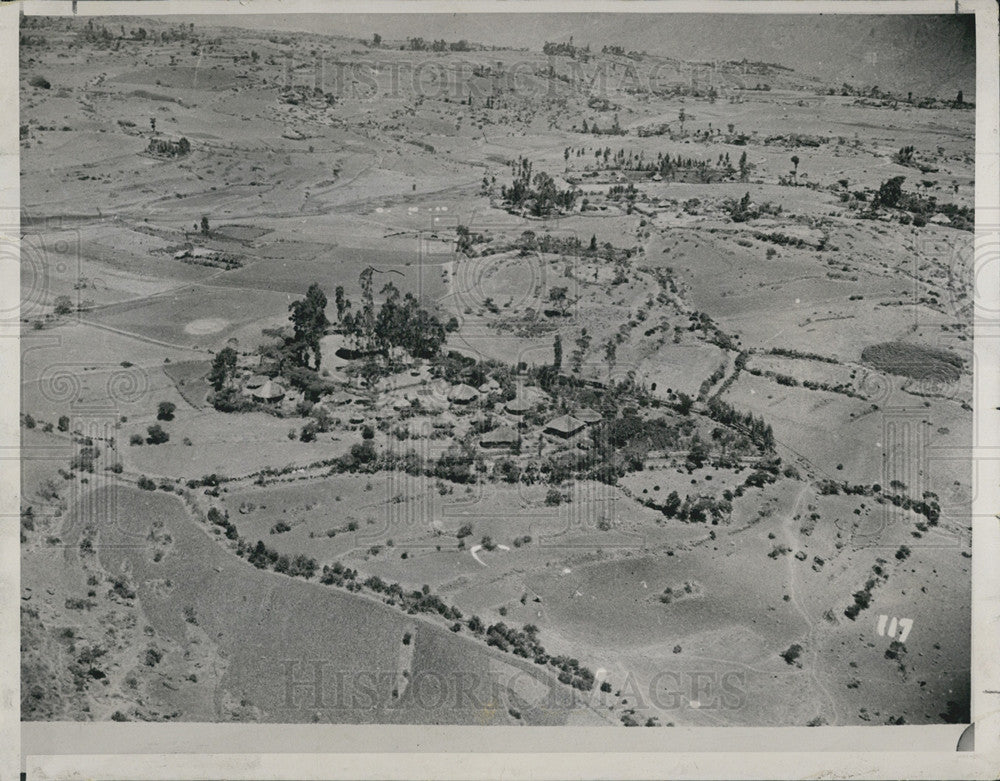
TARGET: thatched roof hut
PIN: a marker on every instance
(505, 436)
(462, 394)
(564, 426)
(518, 406)
(269, 391)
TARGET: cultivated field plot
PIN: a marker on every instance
(495, 375)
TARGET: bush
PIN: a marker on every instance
(156, 435)
(63, 424)
(553, 498)
(146, 484)
(165, 411)
(792, 654)
(39, 81)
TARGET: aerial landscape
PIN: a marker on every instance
(418, 371)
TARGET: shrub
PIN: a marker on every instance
(792, 654)
(165, 411)
(156, 435)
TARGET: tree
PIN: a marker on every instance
(559, 297)
(744, 167)
(223, 368)
(557, 353)
(364, 321)
(165, 411)
(204, 225)
(959, 98)
(309, 323)
(684, 403)
(795, 162)
(64, 305)
(792, 654)
(63, 424)
(402, 322)
(376, 40)
(890, 192)
(156, 435)
(342, 303)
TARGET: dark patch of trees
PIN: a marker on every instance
(164, 147)
(537, 193)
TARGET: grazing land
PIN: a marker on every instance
(567, 384)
